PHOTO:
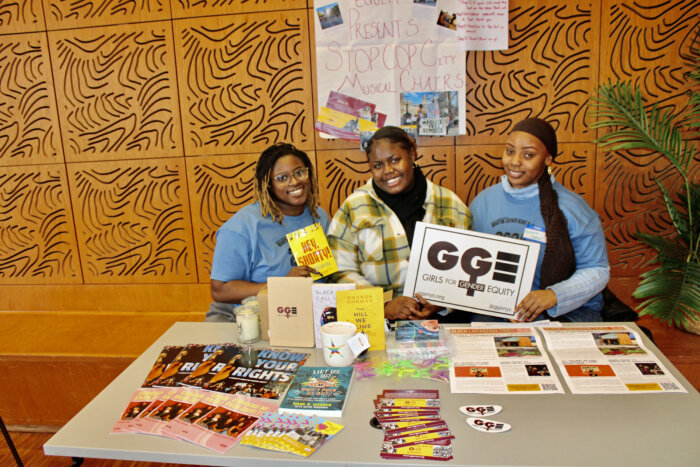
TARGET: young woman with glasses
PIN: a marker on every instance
(252, 245)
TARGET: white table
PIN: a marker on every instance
(558, 429)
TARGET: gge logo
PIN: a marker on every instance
(480, 410)
(488, 426)
(287, 310)
(474, 262)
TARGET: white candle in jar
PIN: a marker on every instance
(248, 324)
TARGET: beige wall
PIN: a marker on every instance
(129, 130)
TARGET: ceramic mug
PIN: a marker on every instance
(334, 340)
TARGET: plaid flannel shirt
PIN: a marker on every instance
(369, 243)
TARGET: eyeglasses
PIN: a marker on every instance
(301, 174)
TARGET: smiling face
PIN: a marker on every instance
(290, 196)
(524, 159)
(391, 166)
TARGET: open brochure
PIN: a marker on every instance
(607, 360)
(500, 361)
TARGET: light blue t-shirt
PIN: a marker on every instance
(505, 211)
(252, 248)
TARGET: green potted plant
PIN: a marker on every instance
(671, 290)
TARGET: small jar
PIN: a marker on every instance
(248, 324)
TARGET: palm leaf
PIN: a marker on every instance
(671, 292)
(621, 108)
(680, 221)
(666, 248)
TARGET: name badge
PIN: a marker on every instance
(534, 233)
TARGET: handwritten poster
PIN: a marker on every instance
(482, 24)
(401, 56)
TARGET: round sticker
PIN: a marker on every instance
(488, 426)
(480, 410)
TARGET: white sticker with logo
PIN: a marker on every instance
(470, 271)
(488, 426)
(480, 410)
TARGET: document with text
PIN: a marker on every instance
(607, 360)
(500, 361)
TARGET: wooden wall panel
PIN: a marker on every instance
(548, 71)
(117, 92)
(133, 221)
(243, 85)
(21, 16)
(62, 14)
(647, 44)
(480, 167)
(29, 130)
(132, 111)
(219, 186)
(191, 8)
(37, 237)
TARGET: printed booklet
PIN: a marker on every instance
(318, 391)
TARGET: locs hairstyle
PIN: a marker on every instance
(263, 179)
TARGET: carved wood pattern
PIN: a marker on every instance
(548, 71)
(648, 45)
(116, 92)
(61, 14)
(29, 131)
(219, 186)
(133, 222)
(37, 238)
(190, 8)
(20, 16)
(244, 86)
(151, 81)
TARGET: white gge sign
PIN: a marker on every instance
(470, 271)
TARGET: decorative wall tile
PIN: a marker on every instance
(62, 14)
(190, 8)
(20, 16)
(219, 186)
(629, 201)
(133, 221)
(245, 82)
(548, 71)
(116, 92)
(37, 238)
(648, 45)
(29, 130)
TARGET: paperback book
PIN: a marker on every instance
(318, 391)
(187, 361)
(310, 248)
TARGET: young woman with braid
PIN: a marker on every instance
(572, 269)
(252, 245)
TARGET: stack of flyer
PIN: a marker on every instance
(209, 394)
(413, 428)
(294, 433)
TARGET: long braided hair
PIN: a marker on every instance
(559, 261)
(263, 179)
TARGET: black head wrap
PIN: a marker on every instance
(541, 130)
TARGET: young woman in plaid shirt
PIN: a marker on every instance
(371, 233)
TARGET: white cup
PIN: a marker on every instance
(334, 340)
